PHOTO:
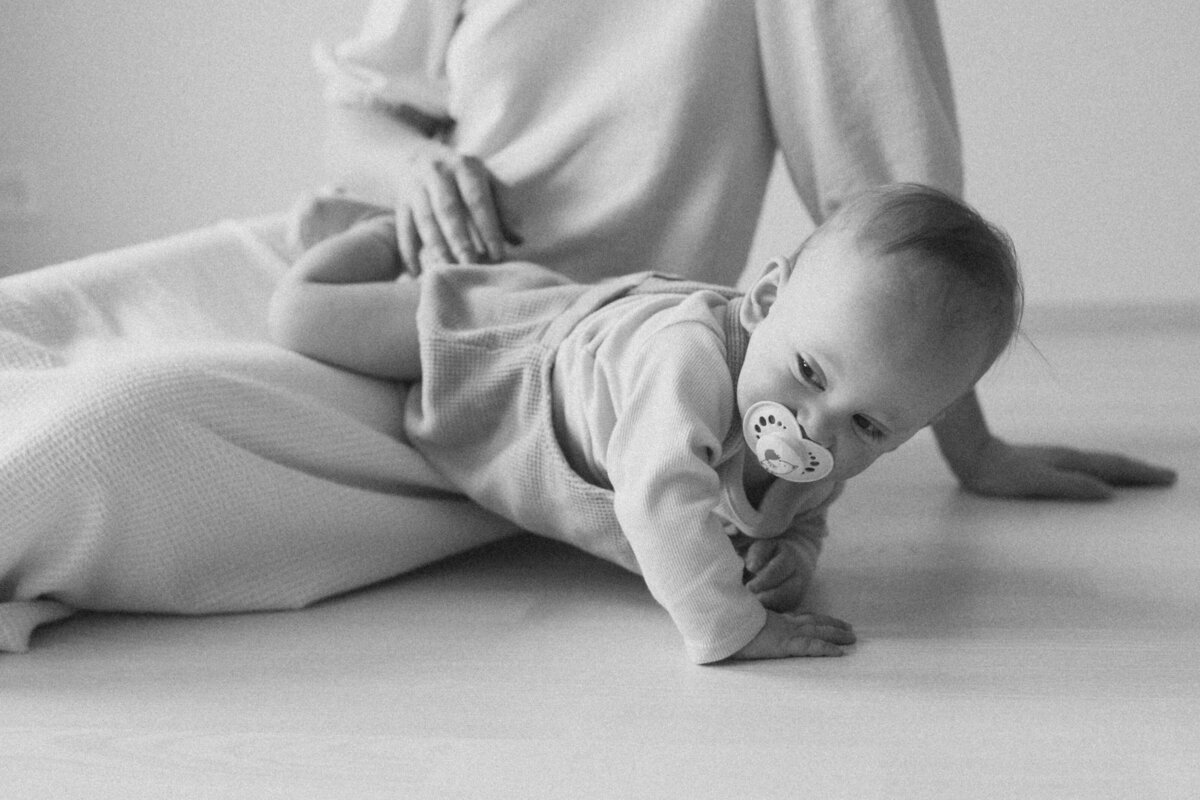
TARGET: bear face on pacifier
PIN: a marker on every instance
(779, 443)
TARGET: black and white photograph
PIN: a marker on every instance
(659, 399)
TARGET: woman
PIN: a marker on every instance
(609, 138)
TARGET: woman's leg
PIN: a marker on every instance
(158, 454)
(194, 483)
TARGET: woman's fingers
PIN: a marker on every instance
(433, 244)
(475, 187)
(1115, 469)
(452, 215)
(408, 241)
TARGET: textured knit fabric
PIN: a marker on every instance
(630, 135)
(651, 364)
(644, 394)
(639, 134)
(159, 454)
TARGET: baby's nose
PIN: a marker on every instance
(813, 432)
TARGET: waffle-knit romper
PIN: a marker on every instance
(483, 413)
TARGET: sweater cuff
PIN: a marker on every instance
(736, 631)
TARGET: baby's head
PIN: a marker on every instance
(885, 316)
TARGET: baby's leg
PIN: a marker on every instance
(364, 252)
(347, 302)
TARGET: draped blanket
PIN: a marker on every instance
(158, 454)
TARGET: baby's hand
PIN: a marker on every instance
(778, 577)
(789, 635)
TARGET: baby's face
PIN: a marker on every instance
(846, 344)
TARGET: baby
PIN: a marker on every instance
(684, 431)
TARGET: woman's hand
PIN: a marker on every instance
(999, 469)
(449, 213)
(989, 466)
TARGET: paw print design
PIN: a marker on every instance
(774, 454)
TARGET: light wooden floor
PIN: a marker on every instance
(1007, 649)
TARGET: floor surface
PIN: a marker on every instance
(1007, 649)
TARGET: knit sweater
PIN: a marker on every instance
(639, 134)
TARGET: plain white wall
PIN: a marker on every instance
(1079, 122)
(132, 119)
(135, 119)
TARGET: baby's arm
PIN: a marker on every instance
(342, 303)
(781, 567)
(704, 598)
(661, 459)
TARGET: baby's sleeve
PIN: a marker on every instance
(661, 462)
(396, 63)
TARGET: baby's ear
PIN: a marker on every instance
(764, 292)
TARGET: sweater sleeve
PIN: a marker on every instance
(661, 461)
(397, 62)
(859, 95)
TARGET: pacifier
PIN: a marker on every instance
(779, 442)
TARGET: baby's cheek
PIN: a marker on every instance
(848, 462)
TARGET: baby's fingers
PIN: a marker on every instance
(798, 635)
(823, 627)
(759, 553)
(772, 573)
(808, 647)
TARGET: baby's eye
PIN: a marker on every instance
(808, 373)
(868, 427)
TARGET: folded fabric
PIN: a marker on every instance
(159, 454)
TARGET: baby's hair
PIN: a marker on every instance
(974, 259)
